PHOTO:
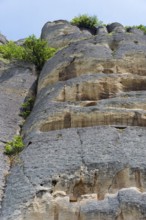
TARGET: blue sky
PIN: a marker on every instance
(21, 18)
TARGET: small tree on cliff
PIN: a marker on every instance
(11, 51)
(33, 50)
(37, 51)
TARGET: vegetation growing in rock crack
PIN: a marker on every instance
(33, 50)
(27, 107)
(14, 146)
(86, 21)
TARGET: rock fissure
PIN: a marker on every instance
(63, 76)
(81, 146)
(26, 176)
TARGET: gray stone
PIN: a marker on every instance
(16, 81)
(115, 27)
(117, 207)
(60, 33)
(135, 31)
(3, 39)
(101, 30)
(109, 151)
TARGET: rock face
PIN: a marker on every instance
(16, 83)
(85, 137)
(3, 39)
(60, 33)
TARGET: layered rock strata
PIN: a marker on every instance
(85, 137)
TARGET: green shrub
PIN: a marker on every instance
(11, 51)
(37, 51)
(14, 146)
(27, 107)
(34, 50)
(140, 27)
(85, 21)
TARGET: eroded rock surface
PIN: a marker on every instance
(16, 81)
(85, 137)
(60, 33)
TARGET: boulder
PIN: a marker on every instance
(20, 42)
(115, 27)
(60, 33)
(101, 30)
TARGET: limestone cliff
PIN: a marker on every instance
(85, 154)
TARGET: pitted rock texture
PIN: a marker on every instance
(85, 137)
(77, 162)
(119, 206)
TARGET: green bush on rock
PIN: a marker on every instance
(85, 21)
(142, 28)
(11, 51)
(37, 51)
(33, 50)
(14, 146)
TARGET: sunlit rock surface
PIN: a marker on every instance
(60, 33)
(85, 137)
